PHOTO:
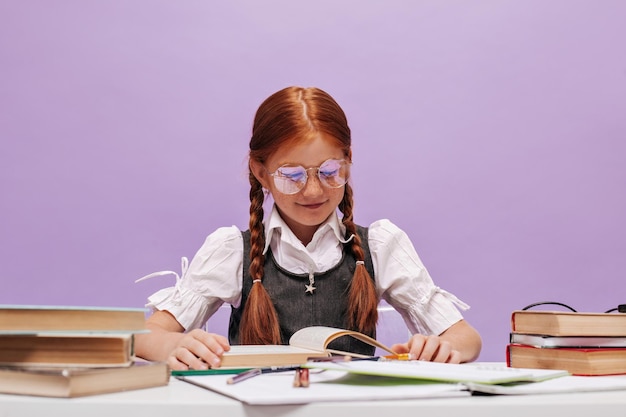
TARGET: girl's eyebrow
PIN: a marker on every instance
(312, 166)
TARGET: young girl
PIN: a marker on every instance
(307, 263)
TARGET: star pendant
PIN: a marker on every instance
(309, 288)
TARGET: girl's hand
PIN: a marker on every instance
(429, 348)
(198, 350)
(459, 343)
(167, 342)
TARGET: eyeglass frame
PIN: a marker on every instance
(342, 163)
(621, 308)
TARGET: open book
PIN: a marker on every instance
(440, 372)
(306, 343)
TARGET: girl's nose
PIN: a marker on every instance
(313, 186)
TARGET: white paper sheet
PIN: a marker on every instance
(324, 386)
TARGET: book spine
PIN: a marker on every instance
(508, 355)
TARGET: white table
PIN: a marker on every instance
(186, 400)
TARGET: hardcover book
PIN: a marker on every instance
(77, 382)
(562, 323)
(54, 349)
(36, 319)
(578, 361)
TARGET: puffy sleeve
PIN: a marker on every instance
(213, 277)
(403, 281)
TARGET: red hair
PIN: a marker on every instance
(291, 114)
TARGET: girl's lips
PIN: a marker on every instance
(312, 206)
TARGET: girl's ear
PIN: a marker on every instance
(259, 172)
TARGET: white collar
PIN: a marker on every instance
(276, 227)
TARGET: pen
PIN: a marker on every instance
(346, 358)
(258, 371)
(395, 356)
(244, 375)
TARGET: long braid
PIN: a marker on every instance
(259, 321)
(362, 312)
(288, 116)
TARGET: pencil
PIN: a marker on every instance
(244, 375)
(212, 371)
(401, 357)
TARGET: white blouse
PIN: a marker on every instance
(214, 275)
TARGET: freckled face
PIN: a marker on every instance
(307, 209)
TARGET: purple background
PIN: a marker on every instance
(493, 132)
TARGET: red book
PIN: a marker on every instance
(577, 361)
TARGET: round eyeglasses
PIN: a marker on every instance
(290, 179)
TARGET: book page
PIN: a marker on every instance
(568, 341)
(318, 338)
(277, 388)
(443, 372)
(567, 384)
(532, 374)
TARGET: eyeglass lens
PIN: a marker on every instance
(289, 179)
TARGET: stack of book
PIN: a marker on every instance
(581, 343)
(63, 351)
